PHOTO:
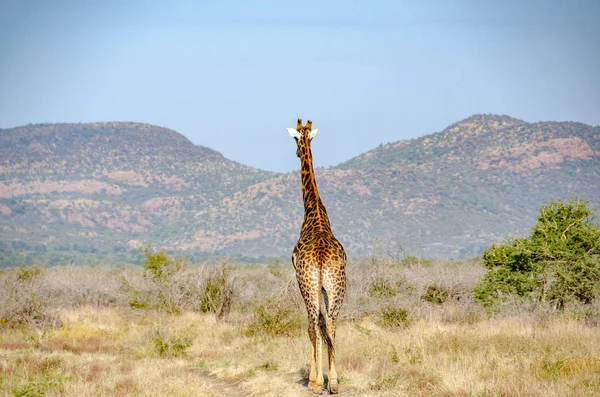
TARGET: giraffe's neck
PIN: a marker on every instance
(315, 215)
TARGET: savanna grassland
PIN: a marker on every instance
(407, 327)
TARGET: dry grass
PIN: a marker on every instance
(448, 349)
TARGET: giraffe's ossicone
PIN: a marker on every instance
(320, 263)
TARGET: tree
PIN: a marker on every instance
(558, 263)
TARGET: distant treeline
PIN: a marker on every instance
(20, 253)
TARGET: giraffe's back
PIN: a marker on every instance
(320, 249)
(320, 262)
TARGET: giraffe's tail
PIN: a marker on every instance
(324, 309)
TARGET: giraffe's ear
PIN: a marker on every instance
(313, 133)
(294, 133)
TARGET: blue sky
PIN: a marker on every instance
(232, 75)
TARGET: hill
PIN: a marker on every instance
(448, 194)
(105, 188)
(93, 188)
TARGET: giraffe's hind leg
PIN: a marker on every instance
(332, 384)
(310, 287)
(315, 378)
(333, 292)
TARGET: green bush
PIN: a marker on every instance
(578, 282)
(27, 273)
(558, 263)
(164, 292)
(171, 285)
(46, 379)
(435, 294)
(382, 288)
(165, 346)
(275, 318)
(217, 293)
(395, 317)
(159, 267)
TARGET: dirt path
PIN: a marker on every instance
(222, 388)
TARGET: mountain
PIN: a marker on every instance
(105, 188)
(96, 187)
(448, 194)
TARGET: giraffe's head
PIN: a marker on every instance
(303, 135)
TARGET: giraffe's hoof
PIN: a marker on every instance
(333, 386)
(317, 389)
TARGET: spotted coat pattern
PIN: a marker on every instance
(320, 263)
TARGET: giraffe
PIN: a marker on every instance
(320, 263)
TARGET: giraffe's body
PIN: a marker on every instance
(320, 264)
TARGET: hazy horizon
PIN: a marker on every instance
(233, 76)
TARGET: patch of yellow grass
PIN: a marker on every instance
(110, 353)
(71, 374)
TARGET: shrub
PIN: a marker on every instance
(165, 346)
(163, 292)
(435, 294)
(578, 282)
(136, 299)
(29, 311)
(216, 295)
(171, 285)
(27, 273)
(382, 288)
(159, 267)
(395, 317)
(275, 317)
(559, 262)
(25, 301)
(160, 270)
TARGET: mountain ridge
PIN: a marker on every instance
(462, 131)
(106, 188)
